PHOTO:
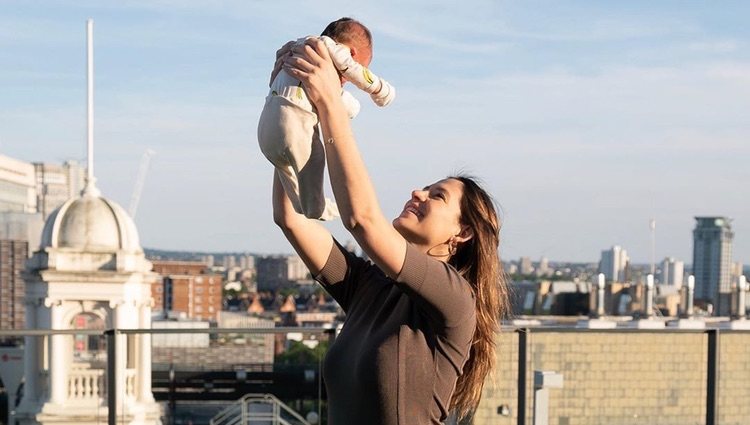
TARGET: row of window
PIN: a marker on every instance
(160, 289)
(199, 309)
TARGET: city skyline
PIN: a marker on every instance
(593, 119)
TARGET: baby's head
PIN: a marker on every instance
(354, 35)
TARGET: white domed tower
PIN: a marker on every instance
(90, 272)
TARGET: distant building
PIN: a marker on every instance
(229, 261)
(525, 266)
(614, 264)
(17, 186)
(30, 192)
(672, 272)
(543, 269)
(278, 271)
(186, 289)
(57, 183)
(712, 262)
(247, 262)
(13, 255)
(737, 270)
(22, 226)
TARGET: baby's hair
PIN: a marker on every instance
(349, 31)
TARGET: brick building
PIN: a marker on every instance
(187, 287)
(13, 254)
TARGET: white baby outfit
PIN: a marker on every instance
(289, 136)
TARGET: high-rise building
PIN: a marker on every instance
(672, 272)
(525, 266)
(13, 255)
(57, 183)
(712, 261)
(280, 270)
(22, 226)
(229, 261)
(543, 269)
(614, 264)
(19, 220)
(247, 262)
(17, 186)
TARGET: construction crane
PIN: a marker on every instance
(139, 182)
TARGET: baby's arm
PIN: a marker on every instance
(381, 92)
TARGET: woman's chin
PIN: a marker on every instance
(402, 221)
(405, 227)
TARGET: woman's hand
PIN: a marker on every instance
(312, 65)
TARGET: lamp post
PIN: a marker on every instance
(600, 295)
(649, 312)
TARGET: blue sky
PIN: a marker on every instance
(584, 119)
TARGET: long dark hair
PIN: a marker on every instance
(478, 261)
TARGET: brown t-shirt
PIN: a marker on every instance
(404, 342)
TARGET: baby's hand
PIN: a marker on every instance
(285, 50)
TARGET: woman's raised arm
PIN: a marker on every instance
(352, 188)
(310, 240)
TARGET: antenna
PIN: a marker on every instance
(652, 226)
(90, 188)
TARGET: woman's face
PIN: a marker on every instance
(433, 214)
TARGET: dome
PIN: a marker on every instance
(90, 223)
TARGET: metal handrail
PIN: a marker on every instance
(230, 416)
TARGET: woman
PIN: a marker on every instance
(418, 339)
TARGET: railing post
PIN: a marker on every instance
(111, 376)
(543, 381)
(331, 339)
(712, 378)
(172, 402)
(522, 362)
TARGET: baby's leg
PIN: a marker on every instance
(284, 133)
(310, 178)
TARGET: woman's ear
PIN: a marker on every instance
(465, 234)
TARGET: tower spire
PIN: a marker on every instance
(90, 189)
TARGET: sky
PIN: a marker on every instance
(584, 119)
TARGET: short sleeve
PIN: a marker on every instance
(437, 287)
(341, 275)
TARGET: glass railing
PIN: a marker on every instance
(169, 376)
(189, 376)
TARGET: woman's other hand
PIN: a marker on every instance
(311, 64)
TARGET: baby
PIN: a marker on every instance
(288, 132)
